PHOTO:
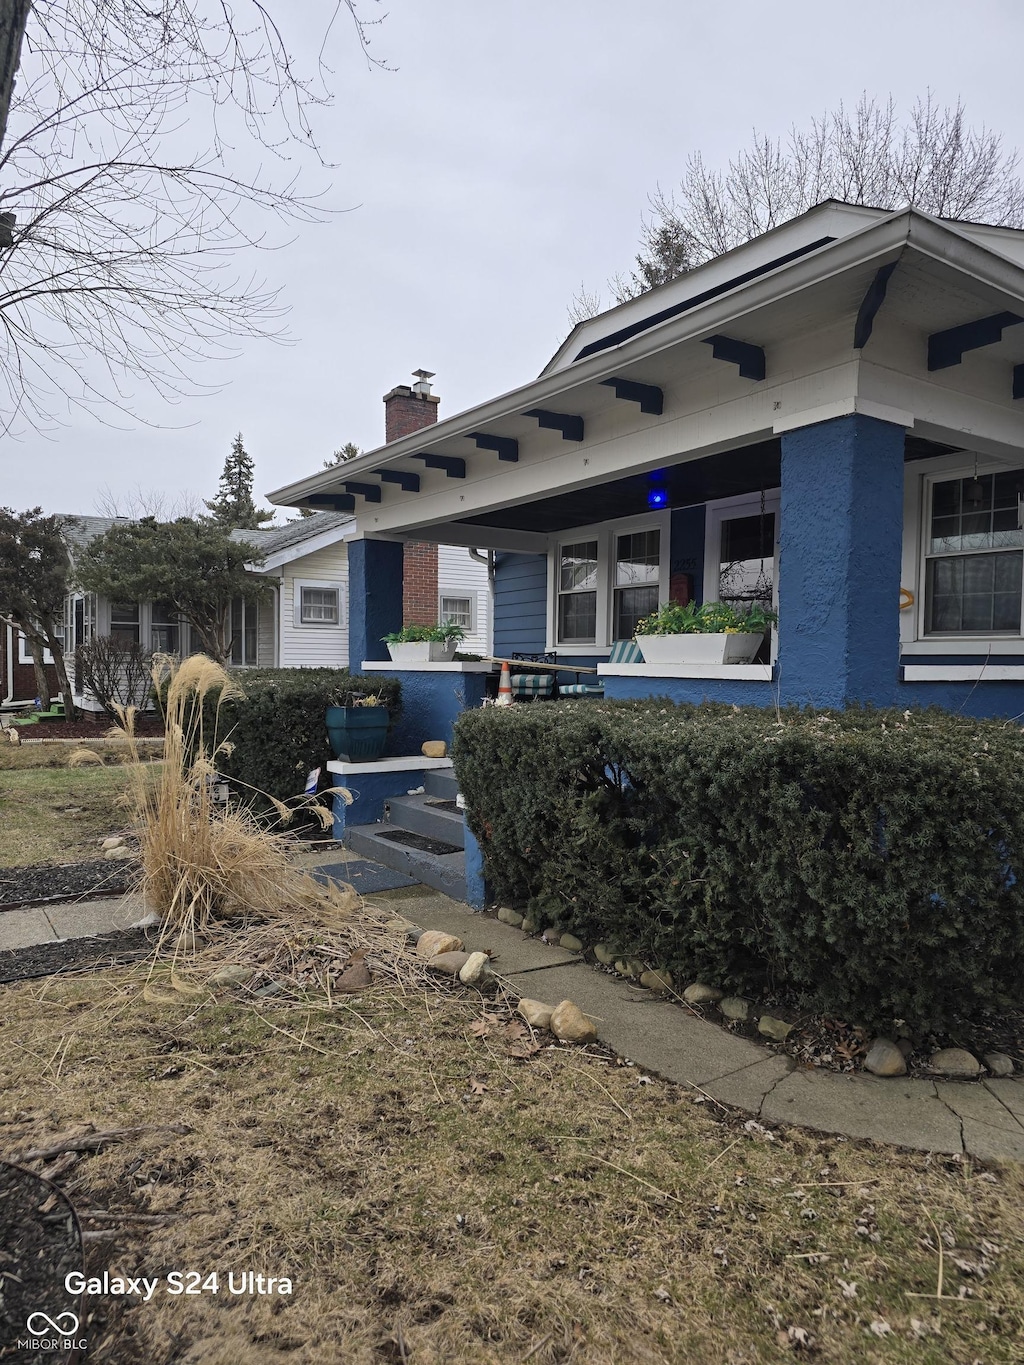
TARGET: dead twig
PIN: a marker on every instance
(92, 1142)
(534, 1349)
(639, 1179)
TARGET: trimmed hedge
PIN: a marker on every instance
(866, 860)
(278, 728)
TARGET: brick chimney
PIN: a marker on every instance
(408, 409)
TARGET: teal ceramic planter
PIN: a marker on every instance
(357, 733)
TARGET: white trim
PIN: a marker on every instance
(739, 672)
(322, 541)
(963, 673)
(458, 595)
(390, 666)
(991, 646)
(320, 585)
(414, 763)
(843, 407)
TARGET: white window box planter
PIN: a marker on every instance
(695, 648)
(422, 652)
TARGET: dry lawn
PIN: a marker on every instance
(57, 814)
(434, 1199)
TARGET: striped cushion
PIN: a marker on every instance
(532, 684)
(582, 690)
(625, 652)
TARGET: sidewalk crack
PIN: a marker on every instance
(1001, 1101)
(958, 1117)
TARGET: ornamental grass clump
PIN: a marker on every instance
(206, 862)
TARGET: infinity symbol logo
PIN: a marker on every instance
(52, 1324)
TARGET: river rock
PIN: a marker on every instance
(658, 982)
(509, 916)
(434, 748)
(570, 943)
(885, 1058)
(630, 966)
(114, 841)
(535, 1012)
(234, 974)
(530, 925)
(955, 1061)
(699, 994)
(121, 851)
(773, 1028)
(476, 970)
(606, 954)
(998, 1063)
(736, 1008)
(451, 963)
(569, 1023)
(434, 941)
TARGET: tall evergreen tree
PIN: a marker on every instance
(233, 506)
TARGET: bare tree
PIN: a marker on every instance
(934, 161)
(130, 162)
(132, 504)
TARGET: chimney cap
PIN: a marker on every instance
(423, 374)
(422, 385)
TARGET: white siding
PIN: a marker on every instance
(266, 633)
(314, 646)
(459, 575)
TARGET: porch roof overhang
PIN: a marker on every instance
(713, 399)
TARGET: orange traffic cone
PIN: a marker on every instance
(505, 687)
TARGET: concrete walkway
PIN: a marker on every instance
(984, 1119)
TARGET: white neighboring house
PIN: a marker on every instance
(304, 624)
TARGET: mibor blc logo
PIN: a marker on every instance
(63, 1325)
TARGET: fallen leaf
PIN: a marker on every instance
(477, 1088)
(354, 978)
(880, 1328)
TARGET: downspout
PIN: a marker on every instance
(488, 559)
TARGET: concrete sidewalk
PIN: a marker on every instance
(984, 1119)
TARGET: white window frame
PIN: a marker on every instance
(25, 654)
(320, 586)
(725, 509)
(920, 475)
(604, 533)
(467, 596)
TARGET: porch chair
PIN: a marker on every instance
(532, 686)
(623, 652)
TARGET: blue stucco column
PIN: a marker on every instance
(374, 598)
(840, 550)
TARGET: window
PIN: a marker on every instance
(459, 610)
(124, 621)
(316, 604)
(974, 554)
(577, 592)
(637, 577)
(244, 620)
(25, 654)
(165, 629)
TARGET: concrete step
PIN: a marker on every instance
(443, 871)
(416, 813)
(441, 782)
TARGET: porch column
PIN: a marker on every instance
(840, 547)
(374, 598)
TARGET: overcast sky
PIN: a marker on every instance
(506, 159)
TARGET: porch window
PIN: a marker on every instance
(244, 620)
(165, 629)
(124, 622)
(577, 592)
(637, 578)
(974, 555)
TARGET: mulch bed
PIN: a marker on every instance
(39, 884)
(74, 954)
(40, 1243)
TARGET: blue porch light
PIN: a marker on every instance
(657, 497)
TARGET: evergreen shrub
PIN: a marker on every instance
(277, 728)
(866, 861)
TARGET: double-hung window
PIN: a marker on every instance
(457, 609)
(124, 622)
(974, 554)
(605, 579)
(318, 606)
(244, 632)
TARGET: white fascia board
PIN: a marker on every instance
(947, 243)
(875, 242)
(290, 553)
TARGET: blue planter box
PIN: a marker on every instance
(357, 733)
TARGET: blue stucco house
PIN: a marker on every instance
(829, 419)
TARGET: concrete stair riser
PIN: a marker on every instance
(441, 782)
(413, 813)
(444, 872)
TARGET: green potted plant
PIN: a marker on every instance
(714, 633)
(357, 726)
(425, 644)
